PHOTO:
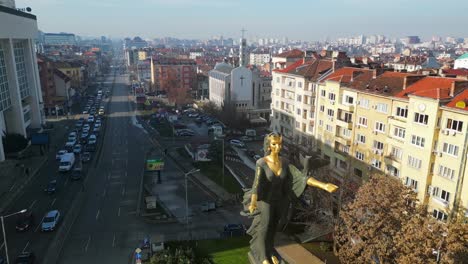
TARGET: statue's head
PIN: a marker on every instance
(272, 143)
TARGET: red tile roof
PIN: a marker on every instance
(432, 87)
(458, 72)
(291, 67)
(461, 97)
(295, 53)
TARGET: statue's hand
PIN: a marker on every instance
(252, 207)
(330, 187)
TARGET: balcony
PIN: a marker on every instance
(344, 123)
(392, 160)
(346, 107)
(441, 202)
(342, 140)
(397, 121)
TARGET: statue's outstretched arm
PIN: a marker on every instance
(329, 187)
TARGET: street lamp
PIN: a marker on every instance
(186, 196)
(4, 235)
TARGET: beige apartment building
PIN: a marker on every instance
(403, 125)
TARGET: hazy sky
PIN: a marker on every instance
(296, 19)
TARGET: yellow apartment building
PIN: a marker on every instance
(393, 123)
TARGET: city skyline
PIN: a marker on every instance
(206, 18)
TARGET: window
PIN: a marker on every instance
(393, 171)
(378, 145)
(450, 149)
(445, 196)
(341, 164)
(299, 98)
(278, 79)
(376, 163)
(439, 215)
(348, 99)
(414, 162)
(329, 128)
(418, 141)
(380, 127)
(413, 184)
(396, 153)
(402, 112)
(399, 132)
(362, 121)
(382, 108)
(277, 104)
(320, 122)
(346, 132)
(420, 118)
(298, 124)
(299, 84)
(323, 93)
(359, 155)
(277, 91)
(454, 125)
(330, 112)
(298, 111)
(361, 138)
(446, 172)
(322, 108)
(364, 103)
(357, 172)
(331, 96)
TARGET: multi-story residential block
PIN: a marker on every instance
(20, 88)
(203, 87)
(174, 77)
(461, 62)
(285, 59)
(413, 63)
(196, 54)
(260, 57)
(76, 71)
(294, 98)
(59, 39)
(403, 125)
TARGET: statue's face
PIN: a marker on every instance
(275, 145)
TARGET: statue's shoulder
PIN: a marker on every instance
(260, 162)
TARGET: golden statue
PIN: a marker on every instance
(276, 184)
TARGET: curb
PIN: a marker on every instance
(11, 197)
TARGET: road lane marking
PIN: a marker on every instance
(35, 230)
(53, 202)
(97, 214)
(3, 244)
(32, 204)
(66, 182)
(118, 213)
(25, 247)
(11, 188)
(123, 191)
(113, 241)
(87, 243)
(104, 193)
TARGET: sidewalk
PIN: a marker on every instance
(16, 174)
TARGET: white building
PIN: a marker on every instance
(259, 58)
(196, 53)
(20, 90)
(461, 62)
(59, 39)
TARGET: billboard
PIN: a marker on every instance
(40, 139)
(154, 164)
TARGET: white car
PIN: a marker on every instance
(50, 221)
(92, 139)
(72, 136)
(59, 154)
(77, 149)
(237, 143)
(90, 119)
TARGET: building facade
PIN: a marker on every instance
(59, 39)
(20, 91)
(461, 62)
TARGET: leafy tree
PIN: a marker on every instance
(366, 226)
(455, 247)
(182, 255)
(13, 142)
(210, 108)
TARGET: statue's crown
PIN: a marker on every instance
(276, 136)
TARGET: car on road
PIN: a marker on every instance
(51, 220)
(185, 134)
(25, 258)
(246, 138)
(76, 174)
(86, 157)
(237, 143)
(256, 157)
(84, 137)
(24, 221)
(59, 154)
(92, 139)
(77, 149)
(91, 119)
(51, 187)
(72, 136)
(79, 124)
(101, 112)
(70, 144)
(85, 112)
(96, 130)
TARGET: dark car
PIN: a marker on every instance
(234, 230)
(86, 157)
(2, 260)
(24, 221)
(90, 147)
(76, 174)
(51, 187)
(25, 258)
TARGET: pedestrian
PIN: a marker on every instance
(165, 152)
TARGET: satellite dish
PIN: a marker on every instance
(28, 9)
(460, 104)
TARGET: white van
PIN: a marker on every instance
(67, 161)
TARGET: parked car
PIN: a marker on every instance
(24, 221)
(234, 230)
(59, 154)
(77, 149)
(51, 187)
(86, 157)
(237, 143)
(245, 138)
(96, 129)
(85, 112)
(51, 220)
(76, 174)
(91, 118)
(92, 139)
(72, 136)
(25, 258)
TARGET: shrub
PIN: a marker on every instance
(13, 142)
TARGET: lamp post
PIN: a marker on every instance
(4, 235)
(186, 196)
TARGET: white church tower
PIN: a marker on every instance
(242, 51)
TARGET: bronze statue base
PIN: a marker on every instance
(252, 260)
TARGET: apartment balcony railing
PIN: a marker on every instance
(346, 107)
(344, 123)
